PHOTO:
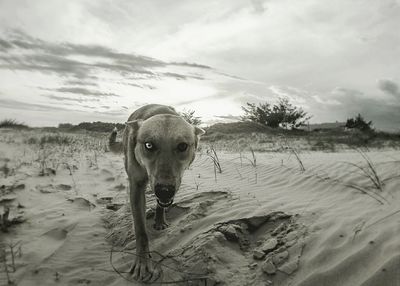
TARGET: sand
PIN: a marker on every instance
(263, 224)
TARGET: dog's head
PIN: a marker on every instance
(165, 146)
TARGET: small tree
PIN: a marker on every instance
(189, 116)
(359, 123)
(283, 114)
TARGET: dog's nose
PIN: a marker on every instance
(164, 192)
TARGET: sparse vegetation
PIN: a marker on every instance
(97, 126)
(301, 165)
(212, 154)
(75, 157)
(56, 139)
(8, 254)
(239, 136)
(282, 114)
(189, 116)
(12, 123)
(370, 172)
(359, 123)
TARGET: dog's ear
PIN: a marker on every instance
(133, 125)
(199, 131)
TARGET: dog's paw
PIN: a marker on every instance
(143, 270)
(160, 225)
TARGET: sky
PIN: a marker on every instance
(80, 60)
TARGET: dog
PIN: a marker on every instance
(158, 145)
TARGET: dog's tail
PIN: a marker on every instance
(115, 147)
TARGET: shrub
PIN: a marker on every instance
(282, 114)
(65, 126)
(359, 123)
(57, 139)
(97, 126)
(189, 116)
(236, 127)
(12, 123)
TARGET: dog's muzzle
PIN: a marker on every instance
(165, 195)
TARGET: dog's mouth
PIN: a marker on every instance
(163, 204)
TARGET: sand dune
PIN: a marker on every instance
(263, 224)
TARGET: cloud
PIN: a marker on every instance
(15, 104)
(206, 98)
(295, 95)
(348, 95)
(47, 64)
(24, 52)
(63, 98)
(193, 65)
(258, 6)
(83, 91)
(80, 82)
(23, 41)
(229, 117)
(341, 103)
(384, 113)
(4, 45)
(181, 76)
(389, 87)
(303, 49)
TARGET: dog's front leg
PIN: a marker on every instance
(142, 268)
(160, 223)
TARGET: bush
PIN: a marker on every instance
(57, 139)
(97, 126)
(65, 126)
(359, 123)
(12, 123)
(189, 116)
(282, 114)
(236, 127)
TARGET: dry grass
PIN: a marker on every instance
(8, 254)
(369, 171)
(302, 168)
(12, 123)
(212, 154)
(240, 135)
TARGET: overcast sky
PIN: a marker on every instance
(73, 61)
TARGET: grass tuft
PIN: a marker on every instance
(12, 123)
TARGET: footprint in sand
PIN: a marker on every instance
(109, 176)
(10, 188)
(82, 203)
(50, 241)
(269, 245)
(64, 187)
(180, 215)
(50, 188)
(59, 233)
(119, 187)
(56, 233)
(10, 209)
(272, 244)
(192, 208)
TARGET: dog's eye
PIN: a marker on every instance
(182, 147)
(149, 146)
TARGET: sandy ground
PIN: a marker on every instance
(268, 223)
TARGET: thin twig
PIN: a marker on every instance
(157, 263)
(381, 219)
